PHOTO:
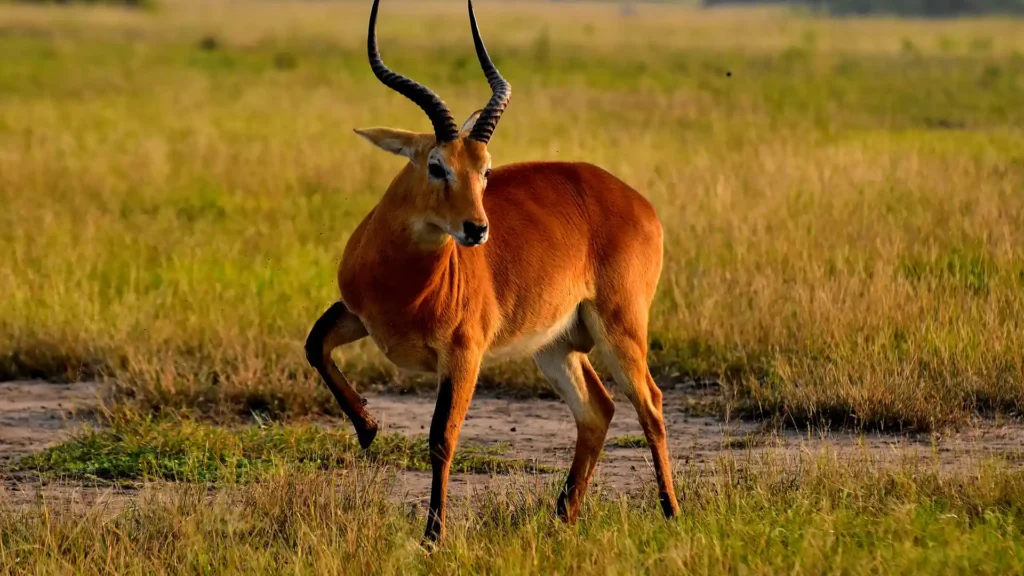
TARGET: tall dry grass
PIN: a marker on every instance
(842, 199)
(815, 514)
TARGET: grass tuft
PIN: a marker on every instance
(135, 449)
(628, 441)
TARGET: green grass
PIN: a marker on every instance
(842, 207)
(628, 441)
(747, 441)
(816, 515)
(138, 449)
(843, 239)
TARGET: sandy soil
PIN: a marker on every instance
(543, 431)
(34, 415)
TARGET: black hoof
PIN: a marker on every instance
(366, 433)
(667, 506)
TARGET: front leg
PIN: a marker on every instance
(455, 391)
(337, 327)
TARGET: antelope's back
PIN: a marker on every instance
(560, 225)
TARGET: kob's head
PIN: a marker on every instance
(448, 169)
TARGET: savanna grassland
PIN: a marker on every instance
(812, 516)
(841, 199)
(843, 205)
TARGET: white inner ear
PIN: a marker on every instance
(395, 146)
(468, 125)
(390, 140)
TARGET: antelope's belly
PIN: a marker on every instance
(525, 345)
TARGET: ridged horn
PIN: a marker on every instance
(445, 128)
(500, 88)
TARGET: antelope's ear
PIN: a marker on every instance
(401, 142)
(468, 124)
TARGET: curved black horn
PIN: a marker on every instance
(500, 88)
(445, 129)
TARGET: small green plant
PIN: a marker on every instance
(746, 442)
(628, 441)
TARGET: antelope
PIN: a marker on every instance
(458, 264)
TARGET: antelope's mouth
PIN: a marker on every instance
(463, 240)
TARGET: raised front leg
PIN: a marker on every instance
(338, 327)
(455, 391)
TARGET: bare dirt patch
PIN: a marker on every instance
(34, 415)
(543, 431)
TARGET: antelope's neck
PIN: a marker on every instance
(413, 273)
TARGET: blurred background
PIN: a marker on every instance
(840, 182)
(908, 8)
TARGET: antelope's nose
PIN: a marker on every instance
(474, 233)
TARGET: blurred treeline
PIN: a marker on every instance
(127, 3)
(927, 8)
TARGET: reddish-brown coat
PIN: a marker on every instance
(573, 260)
(572, 263)
(556, 229)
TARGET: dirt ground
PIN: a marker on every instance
(543, 431)
(34, 415)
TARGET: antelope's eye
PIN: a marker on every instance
(437, 171)
(487, 173)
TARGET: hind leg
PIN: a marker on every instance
(577, 383)
(621, 337)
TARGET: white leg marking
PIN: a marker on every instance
(562, 367)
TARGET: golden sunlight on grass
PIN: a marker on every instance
(840, 197)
